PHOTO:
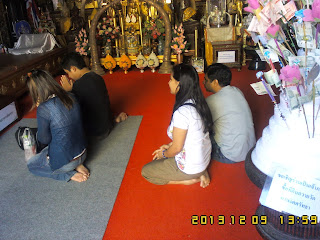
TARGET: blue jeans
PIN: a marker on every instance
(216, 153)
(39, 165)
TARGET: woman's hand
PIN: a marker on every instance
(157, 154)
(165, 147)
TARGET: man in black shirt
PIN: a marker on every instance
(92, 94)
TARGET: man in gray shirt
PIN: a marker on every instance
(233, 127)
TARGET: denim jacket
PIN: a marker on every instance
(62, 130)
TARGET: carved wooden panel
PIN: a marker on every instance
(12, 77)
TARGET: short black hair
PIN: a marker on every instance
(220, 72)
(73, 59)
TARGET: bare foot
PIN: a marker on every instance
(121, 117)
(204, 179)
(185, 182)
(82, 169)
(79, 177)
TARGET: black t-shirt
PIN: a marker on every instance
(93, 97)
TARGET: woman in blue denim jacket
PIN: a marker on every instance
(59, 127)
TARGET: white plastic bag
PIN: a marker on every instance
(29, 144)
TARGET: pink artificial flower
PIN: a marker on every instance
(307, 13)
(273, 30)
(290, 73)
(253, 5)
(316, 10)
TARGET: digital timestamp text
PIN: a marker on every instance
(222, 220)
(253, 220)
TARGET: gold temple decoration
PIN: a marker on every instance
(168, 11)
(124, 7)
(239, 6)
(92, 4)
(140, 24)
(93, 13)
(144, 9)
(165, 67)
(188, 13)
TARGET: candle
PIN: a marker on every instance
(114, 21)
(140, 28)
(196, 43)
(121, 24)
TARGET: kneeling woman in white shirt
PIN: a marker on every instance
(186, 158)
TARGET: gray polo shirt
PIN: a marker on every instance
(232, 123)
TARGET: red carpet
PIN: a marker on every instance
(146, 211)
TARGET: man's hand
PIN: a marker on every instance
(66, 83)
